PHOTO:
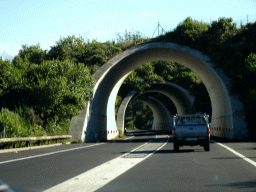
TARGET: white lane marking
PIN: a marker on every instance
(101, 175)
(129, 138)
(45, 154)
(238, 154)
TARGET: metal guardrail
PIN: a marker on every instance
(28, 140)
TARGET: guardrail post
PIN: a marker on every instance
(39, 142)
(15, 144)
(2, 130)
(28, 143)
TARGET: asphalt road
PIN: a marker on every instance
(140, 163)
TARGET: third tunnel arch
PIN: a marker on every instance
(162, 116)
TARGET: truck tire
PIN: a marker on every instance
(176, 146)
(207, 145)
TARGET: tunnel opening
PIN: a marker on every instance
(167, 70)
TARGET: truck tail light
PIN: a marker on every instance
(208, 130)
(173, 132)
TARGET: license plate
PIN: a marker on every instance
(191, 139)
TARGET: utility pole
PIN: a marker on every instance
(247, 19)
(158, 25)
(158, 28)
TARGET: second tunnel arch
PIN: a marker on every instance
(181, 98)
(111, 75)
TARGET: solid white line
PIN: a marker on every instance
(101, 175)
(45, 154)
(236, 153)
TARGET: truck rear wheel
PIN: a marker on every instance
(207, 145)
(176, 146)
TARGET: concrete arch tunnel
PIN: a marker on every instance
(100, 115)
(162, 116)
(181, 98)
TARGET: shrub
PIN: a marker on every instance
(58, 88)
(250, 62)
(32, 54)
(36, 131)
(16, 126)
(34, 119)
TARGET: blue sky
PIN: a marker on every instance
(45, 21)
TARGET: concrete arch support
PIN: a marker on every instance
(113, 72)
(121, 111)
(162, 116)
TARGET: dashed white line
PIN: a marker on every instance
(101, 175)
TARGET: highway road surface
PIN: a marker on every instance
(143, 162)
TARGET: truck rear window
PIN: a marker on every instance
(190, 120)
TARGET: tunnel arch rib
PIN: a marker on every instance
(162, 116)
(111, 75)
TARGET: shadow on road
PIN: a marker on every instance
(241, 185)
(145, 134)
(233, 158)
(172, 151)
(161, 151)
(226, 140)
(142, 140)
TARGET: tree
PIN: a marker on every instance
(221, 30)
(70, 48)
(33, 54)
(250, 63)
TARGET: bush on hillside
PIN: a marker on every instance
(33, 54)
(92, 54)
(52, 89)
(59, 88)
(17, 126)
